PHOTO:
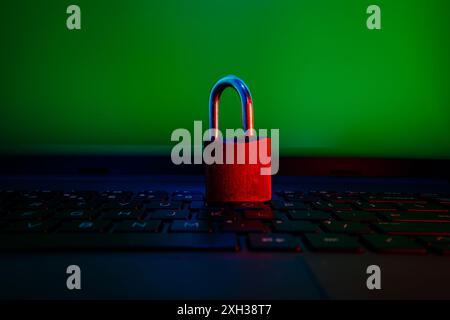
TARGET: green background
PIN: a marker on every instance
(138, 69)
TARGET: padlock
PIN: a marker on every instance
(237, 182)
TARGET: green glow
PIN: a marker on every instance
(139, 69)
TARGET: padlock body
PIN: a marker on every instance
(235, 182)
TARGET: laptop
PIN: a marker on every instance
(93, 205)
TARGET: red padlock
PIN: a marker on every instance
(242, 180)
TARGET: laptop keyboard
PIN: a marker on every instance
(325, 222)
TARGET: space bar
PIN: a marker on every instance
(147, 241)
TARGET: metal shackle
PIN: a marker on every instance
(246, 103)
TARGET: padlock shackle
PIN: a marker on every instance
(246, 102)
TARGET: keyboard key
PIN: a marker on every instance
(44, 195)
(273, 242)
(149, 196)
(166, 205)
(434, 240)
(313, 215)
(215, 214)
(361, 216)
(189, 226)
(118, 241)
(416, 217)
(329, 206)
(333, 243)
(438, 244)
(78, 195)
(36, 204)
(289, 205)
(342, 207)
(115, 200)
(30, 226)
(286, 226)
(394, 199)
(346, 198)
(116, 194)
(443, 201)
(288, 194)
(307, 197)
(75, 205)
(84, 226)
(250, 206)
(123, 215)
(278, 215)
(298, 196)
(421, 207)
(121, 205)
(414, 229)
(169, 214)
(253, 226)
(267, 214)
(366, 206)
(76, 215)
(345, 227)
(431, 195)
(27, 215)
(187, 196)
(393, 244)
(138, 226)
